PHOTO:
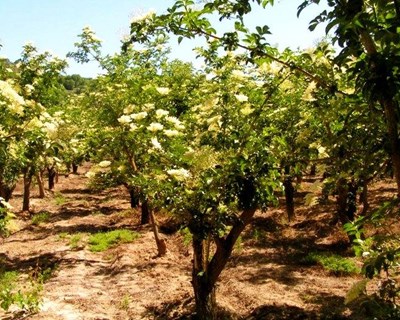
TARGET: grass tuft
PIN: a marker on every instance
(102, 241)
(40, 217)
(333, 263)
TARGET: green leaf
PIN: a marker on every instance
(356, 290)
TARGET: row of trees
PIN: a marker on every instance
(213, 146)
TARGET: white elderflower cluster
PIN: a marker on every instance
(104, 164)
(14, 101)
(308, 93)
(179, 174)
(138, 116)
(171, 133)
(155, 126)
(163, 90)
(176, 122)
(5, 204)
(161, 113)
(241, 97)
(156, 144)
(143, 17)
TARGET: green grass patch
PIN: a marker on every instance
(59, 199)
(102, 241)
(40, 217)
(333, 263)
(75, 241)
(15, 290)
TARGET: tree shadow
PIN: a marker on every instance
(35, 263)
(281, 312)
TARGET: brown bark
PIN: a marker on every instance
(289, 197)
(145, 216)
(51, 176)
(161, 244)
(205, 297)
(389, 106)
(391, 121)
(39, 178)
(27, 191)
(6, 191)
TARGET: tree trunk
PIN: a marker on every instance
(391, 120)
(52, 175)
(289, 197)
(204, 292)
(313, 169)
(74, 168)
(145, 216)
(27, 191)
(39, 178)
(341, 201)
(134, 196)
(161, 245)
(6, 191)
(205, 274)
(364, 198)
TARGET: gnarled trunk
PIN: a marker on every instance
(39, 178)
(161, 245)
(145, 216)
(289, 197)
(27, 190)
(204, 291)
(52, 176)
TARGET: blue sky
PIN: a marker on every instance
(53, 25)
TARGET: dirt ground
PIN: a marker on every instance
(266, 277)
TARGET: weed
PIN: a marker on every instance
(187, 236)
(125, 302)
(62, 236)
(27, 297)
(239, 245)
(59, 198)
(104, 240)
(332, 263)
(40, 217)
(75, 241)
(97, 213)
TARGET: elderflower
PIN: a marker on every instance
(133, 127)
(163, 90)
(5, 204)
(241, 97)
(90, 174)
(176, 122)
(171, 133)
(104, 164)
(143, 17)
(247, 110)
(15, 101)
(138, 116)
(155, 126)
(161, 113)
(308, 93)
(124, 119)
(179, 174)
(156, 144)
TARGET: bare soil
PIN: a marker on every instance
(266, 277)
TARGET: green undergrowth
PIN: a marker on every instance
(41, 217)
(23, 291)
(103, 240)
(333, 263)
(59, 199)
